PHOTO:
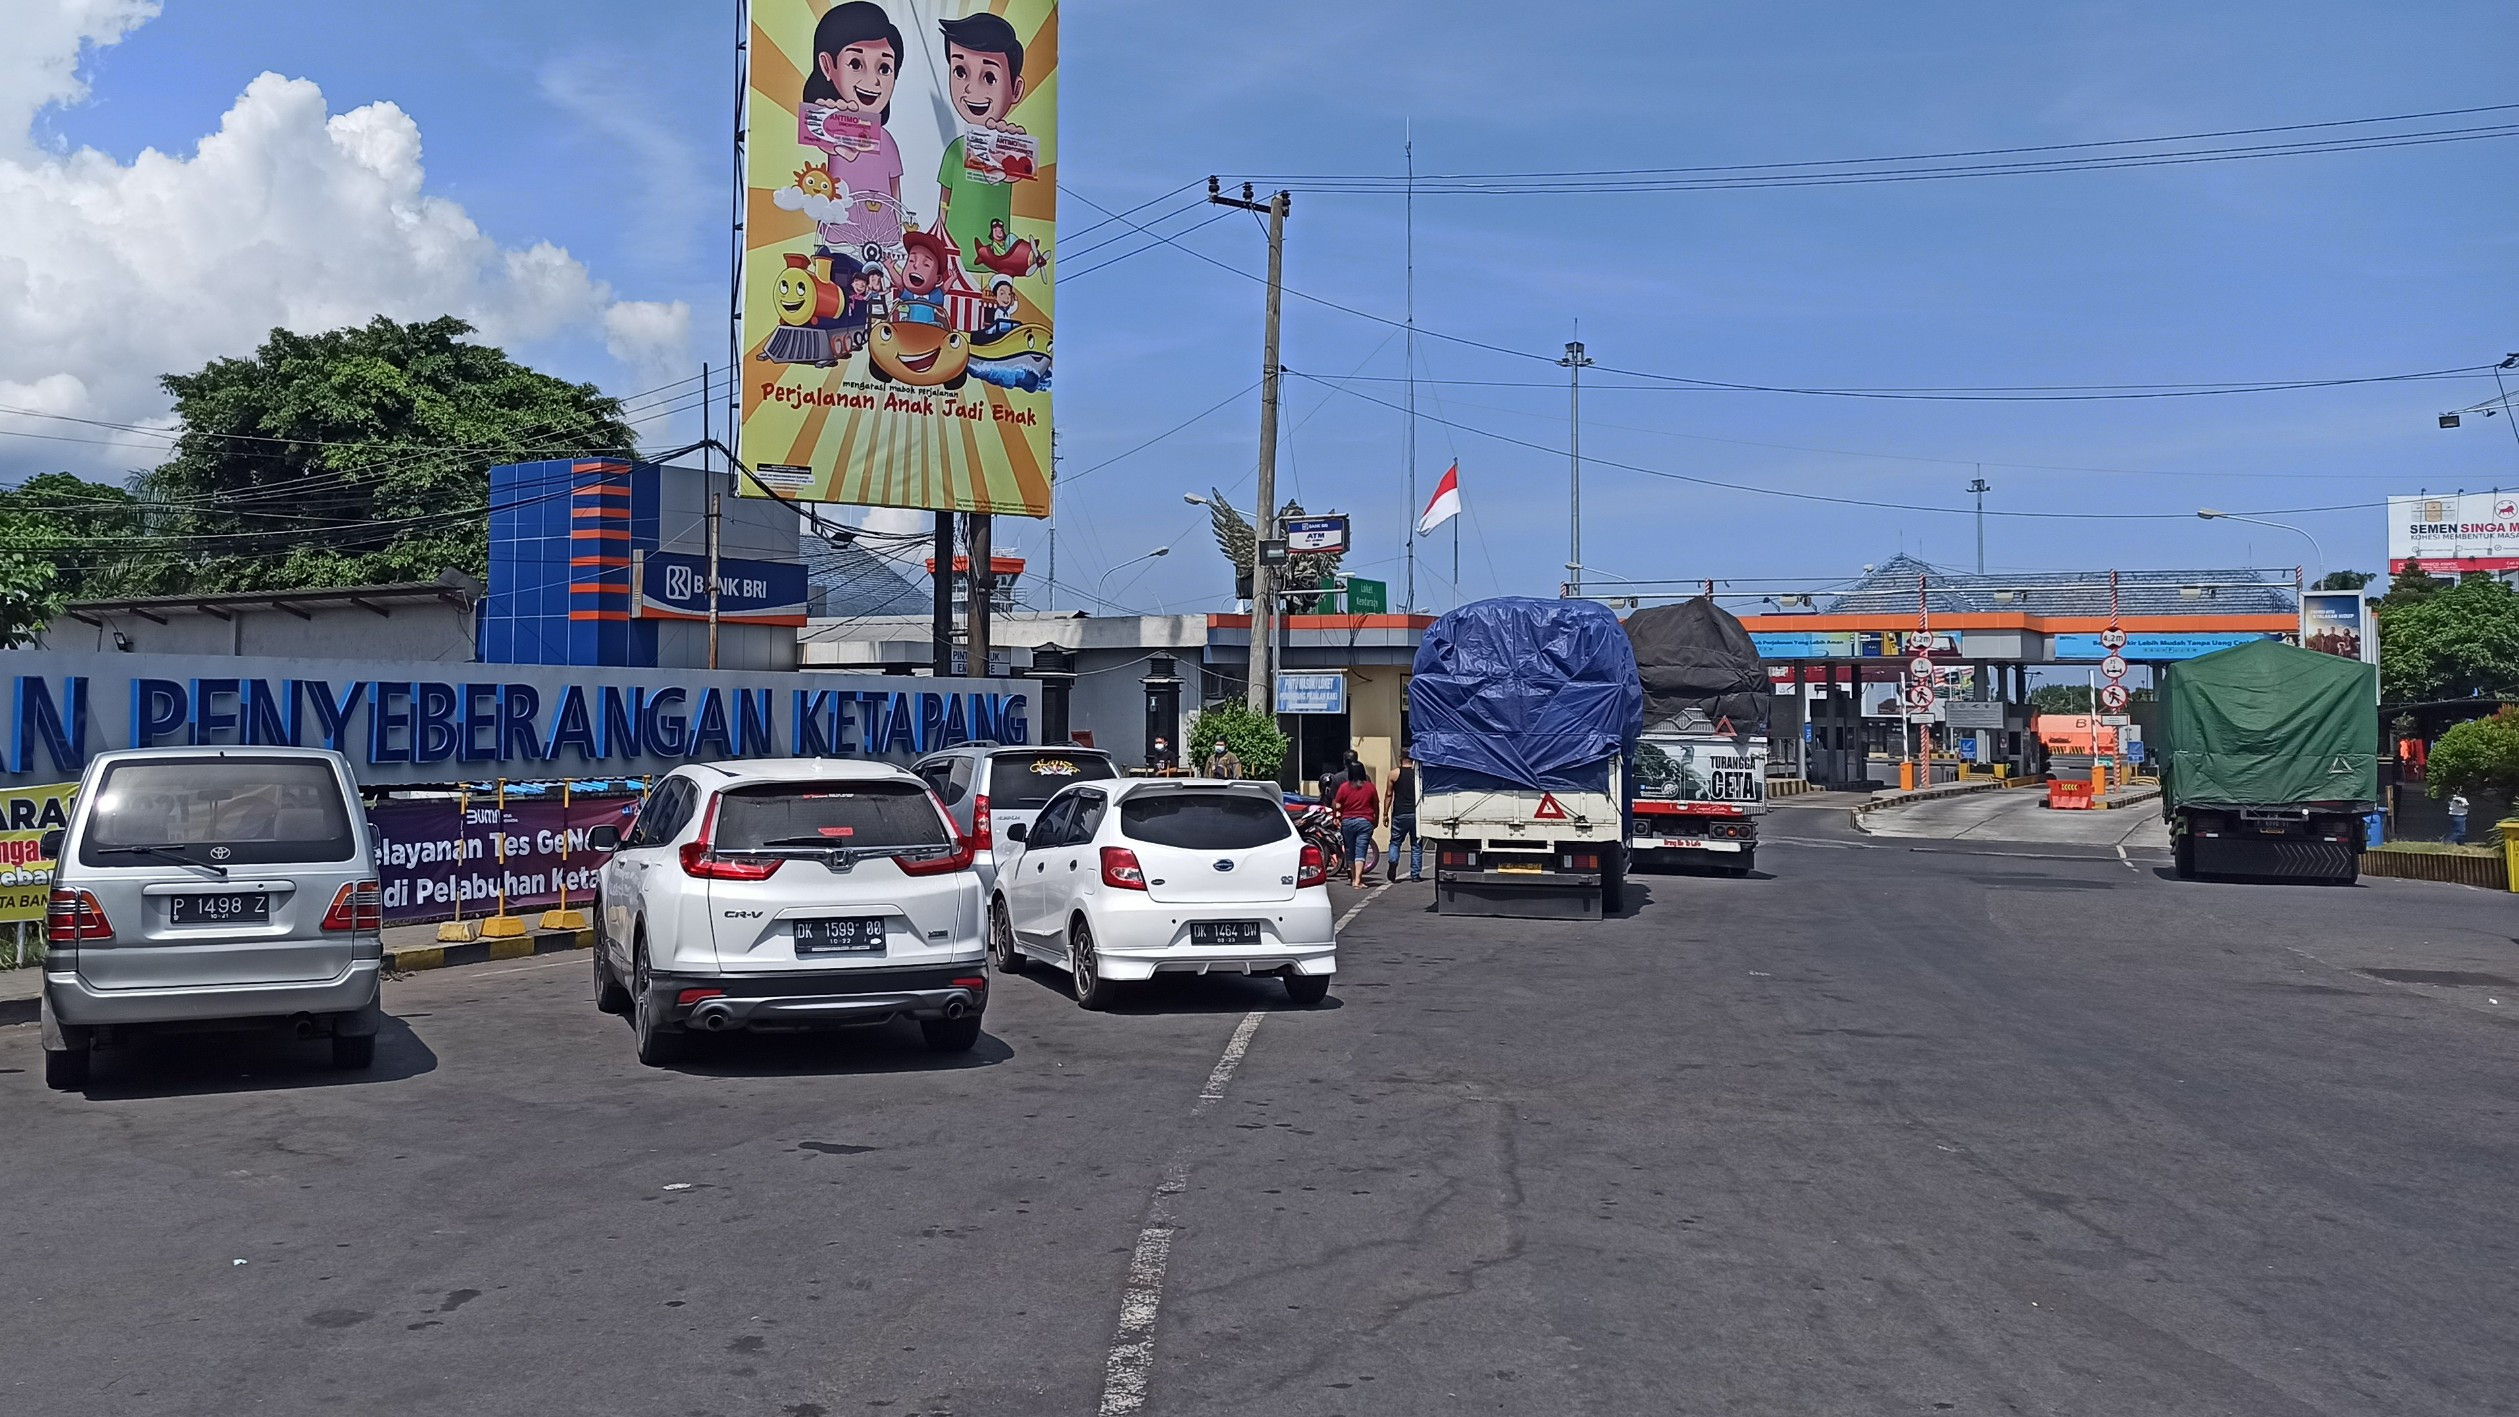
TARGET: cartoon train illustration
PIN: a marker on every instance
(921, 324)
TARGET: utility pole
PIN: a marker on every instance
(1263, 690)
(1980, 488)
(983, 588)
(1409, 353)
(708, 481)
(941, 628)
(1574, 364)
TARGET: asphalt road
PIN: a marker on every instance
(1895, 1127)
(2021, 814)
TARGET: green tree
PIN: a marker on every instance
(2060, 698)
(2410, 585)
(84, 532)
(1253, 736)
(357, 455)
(30, 596)
(2454, 642)
(2345, 580)
(2481, 753)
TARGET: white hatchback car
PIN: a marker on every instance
(1129, 879)
(789, 895)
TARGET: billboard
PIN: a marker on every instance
(900, 190)
(2452, 533)
(2337, 622)
(25, 871)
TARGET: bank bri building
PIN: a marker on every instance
(604, 562)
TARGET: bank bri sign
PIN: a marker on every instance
(404, 724)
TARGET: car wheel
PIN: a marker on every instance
(610, 996)
(659, 1042)
(66, 1070)
(1306, 990)
(1001, 940)
(353, 1054)
(951, 1035)
(1092, 990)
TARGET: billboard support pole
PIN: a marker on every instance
(983, 587)
(941, 629)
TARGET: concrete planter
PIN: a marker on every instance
(2492, 873)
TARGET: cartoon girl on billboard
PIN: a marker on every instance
(846, 103)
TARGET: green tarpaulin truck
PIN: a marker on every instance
(2271, 762)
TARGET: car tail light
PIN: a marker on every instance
(71, 916)
(974, 981)
(357, 906)
(1120, 869)
(955, 857)
(700, 861)
(983, 836)
(688, 997)
(1313, 870)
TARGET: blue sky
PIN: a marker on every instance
(603, 130)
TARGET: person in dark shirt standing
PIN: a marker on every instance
(1402, 799)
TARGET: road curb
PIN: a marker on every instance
(1890, 800)
(418, 957)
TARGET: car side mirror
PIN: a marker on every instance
(1017, 832)
(603, 839)
(49, 845)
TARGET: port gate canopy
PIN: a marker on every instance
(1907, 608)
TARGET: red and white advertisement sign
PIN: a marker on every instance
(2450, 533)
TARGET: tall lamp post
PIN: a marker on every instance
(2315, 550)
(1105, 578)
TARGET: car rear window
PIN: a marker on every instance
(229, 810)
(1203, 821)
(1025, 782)
(821, 816)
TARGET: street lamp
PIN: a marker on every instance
(1105, 578)
(2210, 515)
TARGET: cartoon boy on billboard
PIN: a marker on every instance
(984, 72)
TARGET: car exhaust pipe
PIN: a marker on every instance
(955, 1008)
(714, 1018)
(303, 1026)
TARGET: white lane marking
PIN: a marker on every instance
(2128, 860)
(1223, 1071)
(1357, 909)
(1128, 1367)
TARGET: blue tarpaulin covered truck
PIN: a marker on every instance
(1523, 713)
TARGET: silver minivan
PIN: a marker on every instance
(213, 888)
(986, 788)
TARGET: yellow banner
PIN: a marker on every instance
(25, 871)
(901, 190)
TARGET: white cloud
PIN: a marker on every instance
(290, 215)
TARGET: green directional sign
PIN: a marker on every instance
(1366, 597)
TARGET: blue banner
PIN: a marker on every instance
(2153, 647)
(673, 585)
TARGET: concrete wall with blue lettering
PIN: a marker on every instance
(406, 723)
(562, 534)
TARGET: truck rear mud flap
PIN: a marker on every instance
(2276, 859)
(1519, 895)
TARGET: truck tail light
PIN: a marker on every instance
(359, 905)
(71, 916)
(1120, 870)
(1312, 870)
(983, 836)
(701, 862)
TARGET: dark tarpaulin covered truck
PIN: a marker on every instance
(2271, 762)
(1699, 783)
(1521, 715)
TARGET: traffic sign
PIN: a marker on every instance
(1312, 535)
(1920, 696)
(2112, 638)
(1920, 667)
(2113, 697)
(2113, 666)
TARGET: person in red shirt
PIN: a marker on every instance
(1359, 812)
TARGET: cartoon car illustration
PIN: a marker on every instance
(918, 354)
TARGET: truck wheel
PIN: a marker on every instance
(1613, 884)
(2182, 858)
(1748, 864)
(65, 1070)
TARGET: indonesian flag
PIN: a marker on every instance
(1447, 501)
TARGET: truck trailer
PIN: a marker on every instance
(1523, 713)
(1698, 786)
(2271, 763)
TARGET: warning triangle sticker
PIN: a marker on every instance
(1723, 727)
(1550, 809)
(2340, 767)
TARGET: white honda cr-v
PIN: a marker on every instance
(787, 895)
(1133, 878)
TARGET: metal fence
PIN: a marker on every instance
(21, 944)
